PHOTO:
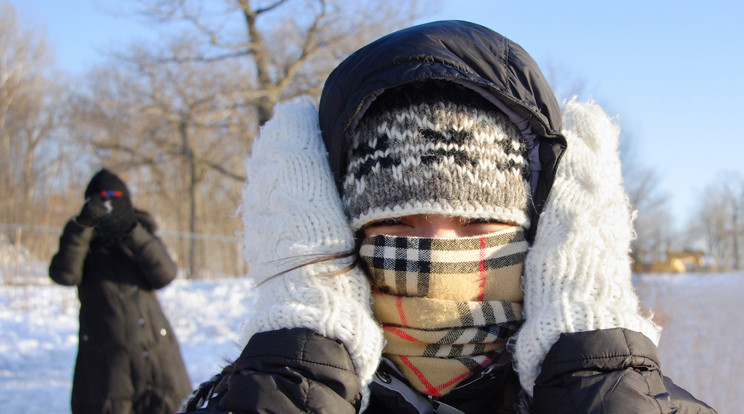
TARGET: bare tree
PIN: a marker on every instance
(28, 115)
(289, 46)
(654, 225)
(721, 219)
(181, 115)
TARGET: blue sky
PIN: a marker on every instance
(671, 70)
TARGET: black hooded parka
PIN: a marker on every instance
(299, 371)
(128, 358)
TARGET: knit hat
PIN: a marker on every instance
(436, 154)
(105, 180)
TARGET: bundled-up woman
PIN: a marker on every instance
(128, 358)
(441, 237)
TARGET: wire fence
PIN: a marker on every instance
(198, 255)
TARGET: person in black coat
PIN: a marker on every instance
(440, 236)
(128, 358)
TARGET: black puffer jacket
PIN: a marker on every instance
(128, 358)
(299, 371)
(613, 371)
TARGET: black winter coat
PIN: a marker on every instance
(128, 358)
(612, 371)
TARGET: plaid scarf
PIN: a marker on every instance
(447, 305)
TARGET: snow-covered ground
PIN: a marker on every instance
(703, 320)
(703, 317)
(38, 335)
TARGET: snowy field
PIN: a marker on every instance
(703, 317)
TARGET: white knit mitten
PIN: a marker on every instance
(577, 272)
(291, 215)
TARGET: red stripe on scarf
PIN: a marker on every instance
(401, 314)
(400, 334)
(485, 362)
(431, 390)
(482, 287)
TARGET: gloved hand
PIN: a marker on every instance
(120, 220)
(292, 214)
(93, 209)
(577, 272)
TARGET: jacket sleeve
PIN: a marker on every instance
(608, 371)
(66, 267)
(152, 258)
(292, 371)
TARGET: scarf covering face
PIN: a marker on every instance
(447, 305)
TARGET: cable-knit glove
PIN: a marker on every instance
(93, 209)
(292, 214)
(577, 273)
(120, 221)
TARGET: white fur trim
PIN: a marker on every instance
(577, 272)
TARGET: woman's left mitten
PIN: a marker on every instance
(577, 272)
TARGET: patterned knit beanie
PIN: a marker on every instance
(421, 150)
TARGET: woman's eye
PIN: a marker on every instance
(481, 221)
(483, 226)
(386, 222)
(387, 226)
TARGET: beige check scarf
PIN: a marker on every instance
(447, 305)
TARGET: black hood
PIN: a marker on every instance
(106, 180)
(457, 51)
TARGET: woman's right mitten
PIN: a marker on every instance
(292, 214)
